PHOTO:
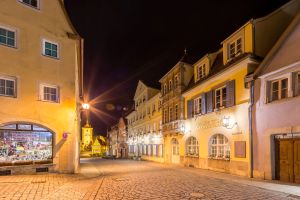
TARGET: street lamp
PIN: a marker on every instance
(86, 107)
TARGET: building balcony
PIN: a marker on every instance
(175, 126)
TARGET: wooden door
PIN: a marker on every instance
(286, 160)
(297, 161)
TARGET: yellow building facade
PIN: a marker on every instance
(40, 87)
(145, 140)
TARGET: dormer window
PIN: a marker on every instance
(235, 48)
(201, 72)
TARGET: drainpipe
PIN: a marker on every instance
(250, 125)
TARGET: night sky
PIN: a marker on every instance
(128, 40)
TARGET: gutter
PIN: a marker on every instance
(250, 112)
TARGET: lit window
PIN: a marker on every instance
(49, 93)
(201, 73)
(220, 97)
(192, 146)
(32, 3)
(7, 37)
(235, 48)
(197, 106)
(279, 89)
(50, 49)
(7, 87)
(219, 147)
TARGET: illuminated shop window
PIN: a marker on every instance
(219, 147)
(25, 143)
(192, 146)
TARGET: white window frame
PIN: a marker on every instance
(218, 149)
(44, 48)
(235, 45)
(201, 68)
(31, 6)
(15, 86)
(15, 39)
(279, 97)
(192, 146)
(41, 92)
(221, 97)
(197, 108)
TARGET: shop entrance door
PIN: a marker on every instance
(175, 151)
(288, 165)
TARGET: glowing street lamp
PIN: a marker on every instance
(86, 106)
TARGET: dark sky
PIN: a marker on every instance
(128, 40)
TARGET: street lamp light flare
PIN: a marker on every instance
(86, 106)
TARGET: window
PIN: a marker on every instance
(50, 49)
(176, 112)
(219, 147)
(25, 143)
(166, 116)
(170, 114)
(165, 89)
(32, 3)
(7, 87)
(279, 89)
(7, 37)
(220, 97)
(235, 48)
(192, 146)
(197, 106)
(201, 72)
(153, 108)
(176, 81)
(49, 93)
(170, 85)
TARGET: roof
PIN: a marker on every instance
(218, 67)
(263, 67)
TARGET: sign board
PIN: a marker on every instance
(240, 149)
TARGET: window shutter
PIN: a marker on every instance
(268, 92)
(210, 101)
(295, 83)
(230, 96)
(203, 103)
(190, 108)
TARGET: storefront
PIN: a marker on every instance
(25, 144)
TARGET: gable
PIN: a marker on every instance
(141, 87)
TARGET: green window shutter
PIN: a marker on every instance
(203, 103)
(295, 83)
(190, 108)
(268, 92)
(210, 101)
(230, 96)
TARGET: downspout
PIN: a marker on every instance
(250, 109)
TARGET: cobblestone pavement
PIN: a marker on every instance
(125, 179)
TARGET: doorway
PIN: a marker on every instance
(175, 151)
(287, 160)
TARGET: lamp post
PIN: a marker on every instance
(86, 107)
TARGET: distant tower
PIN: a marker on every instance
(87, 134)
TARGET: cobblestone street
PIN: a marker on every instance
(125, 179)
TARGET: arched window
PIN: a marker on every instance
(219, 147)
(192, 147)
(24, 142)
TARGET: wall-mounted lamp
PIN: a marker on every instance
(85, 106)
(228, 122)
